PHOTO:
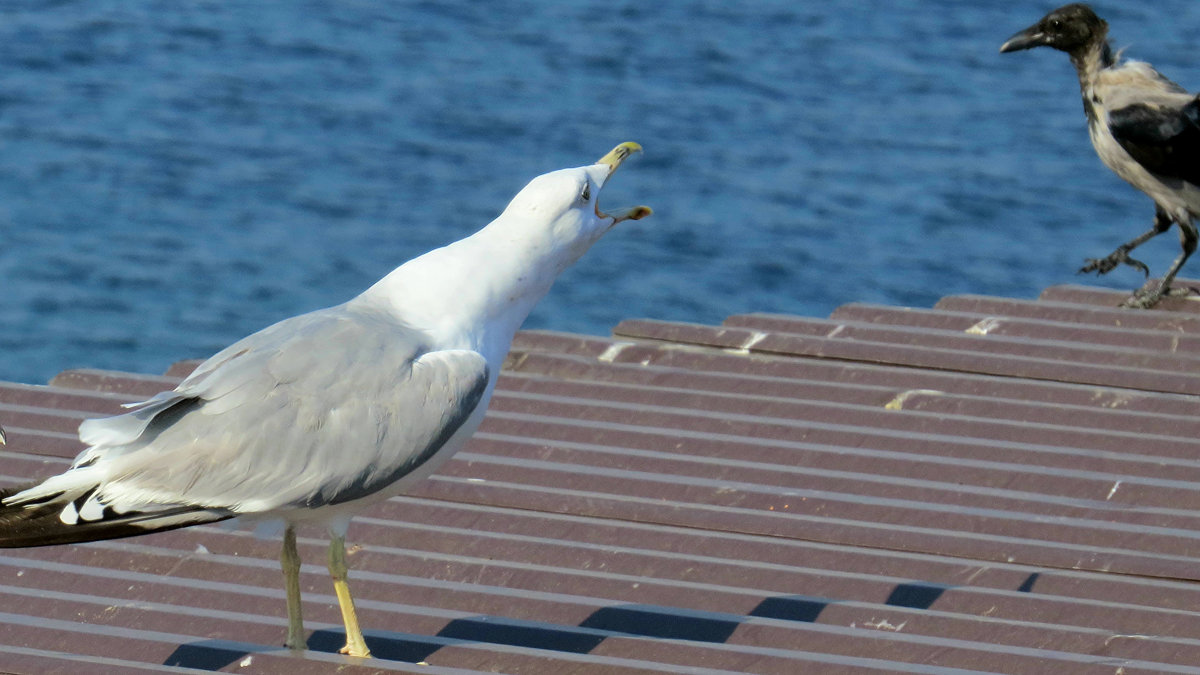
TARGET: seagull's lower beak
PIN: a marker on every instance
(613, 160)
(1026, 39)
(631, 213)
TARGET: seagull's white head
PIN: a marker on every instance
(564, 205)
(493, 278)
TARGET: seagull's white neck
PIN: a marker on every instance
(476, 292)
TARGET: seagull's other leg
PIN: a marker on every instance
(355, 644)
(1144, 299)
(289, 559)
(1162, 223)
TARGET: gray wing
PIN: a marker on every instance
(322, 408)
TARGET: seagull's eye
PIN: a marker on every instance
(586, 196)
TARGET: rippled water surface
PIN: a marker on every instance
(175, 175)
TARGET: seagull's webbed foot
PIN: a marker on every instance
(1112, 261)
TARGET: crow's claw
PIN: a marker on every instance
(1148, 295)
(1142, 299)
(1110, 263)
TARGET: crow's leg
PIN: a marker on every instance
(1162, 223)
(1146, 298)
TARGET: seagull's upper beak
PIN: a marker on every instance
(613, 160)
(1026, 39)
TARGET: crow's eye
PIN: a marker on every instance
(1056, 24)
(586, 196)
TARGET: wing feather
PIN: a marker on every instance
(323, 408)
(1163, 138)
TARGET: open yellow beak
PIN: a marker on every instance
(618, 154)
(613, 159)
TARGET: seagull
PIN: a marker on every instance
(1145, 127)
(314, 418)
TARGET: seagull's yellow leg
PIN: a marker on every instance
(355, 644)
(289, 559)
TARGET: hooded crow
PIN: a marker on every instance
(1145, 127)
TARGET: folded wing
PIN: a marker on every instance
(318, 409)
(1163, 138)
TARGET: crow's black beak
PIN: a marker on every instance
(1027, 39)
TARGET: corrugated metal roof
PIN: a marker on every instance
(988, 485)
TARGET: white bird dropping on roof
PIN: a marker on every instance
(320, 415)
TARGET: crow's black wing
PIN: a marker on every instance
(1164, 139)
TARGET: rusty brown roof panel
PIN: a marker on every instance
(739, 649)
(981, 534)
(1081, 313)
(885, 586)
(574, 368)
(43, 419)
(607, 566)
(1011, 362)
(703, 453)
(748, 632)
(994, 485)
(134, 385)
(978, 323)
(1034, 350)
(904, 380)
(554, 341)
(709, 406)
(1105, 297)
(1161, 546)
(61, 398)
(1025, 468)
(1053, 346)
(775, 566)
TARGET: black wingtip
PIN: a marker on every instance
(30, 525)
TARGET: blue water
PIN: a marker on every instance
(175, 175)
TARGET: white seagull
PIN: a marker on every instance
(320, 415)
